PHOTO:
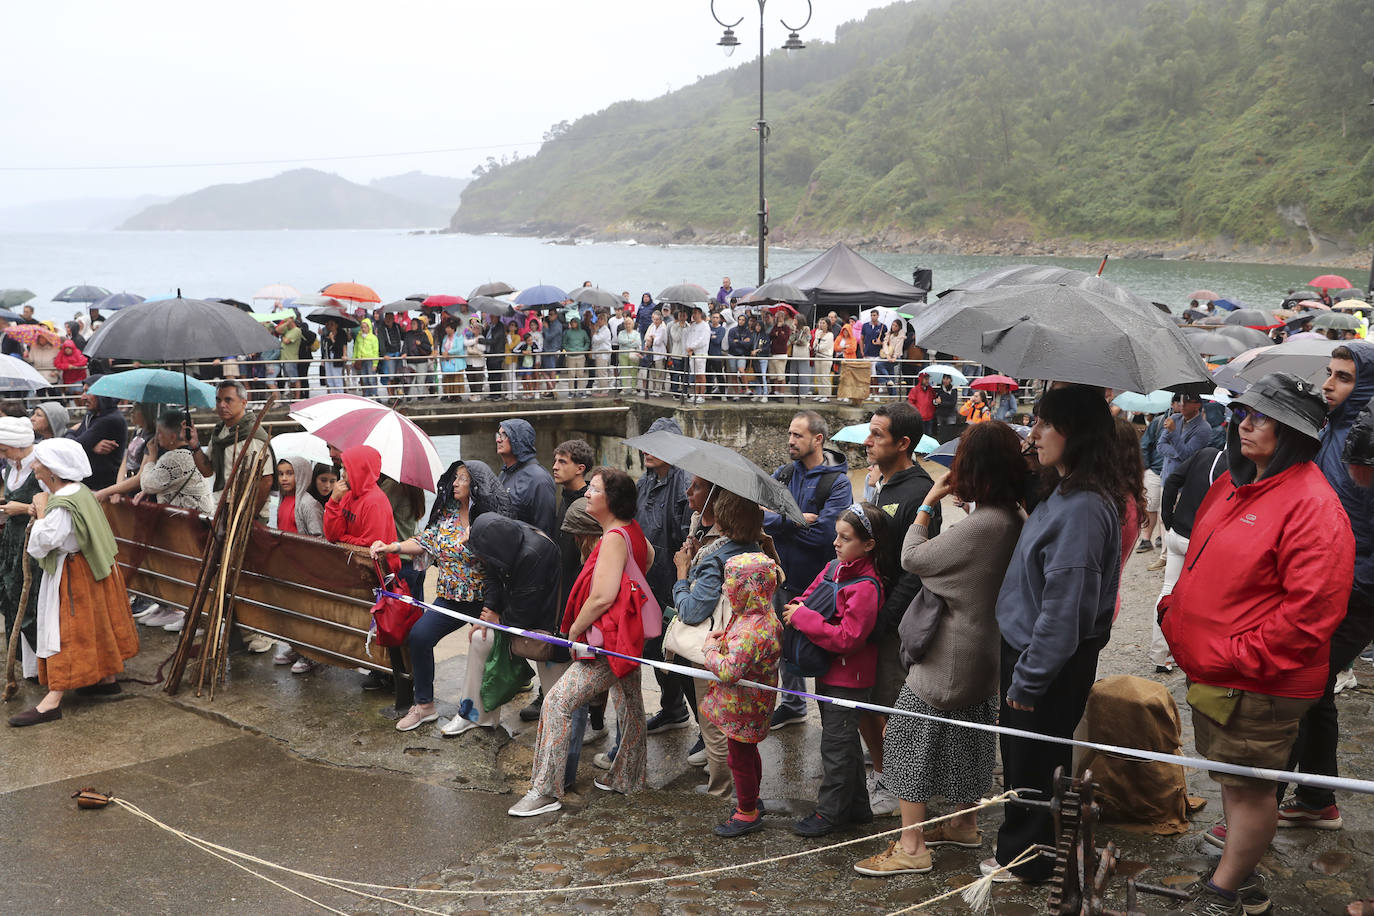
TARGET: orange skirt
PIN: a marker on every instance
(97, 629)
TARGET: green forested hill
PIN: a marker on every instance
(1174, 119)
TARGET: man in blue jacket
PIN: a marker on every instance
(1348, 389)
(819, 481)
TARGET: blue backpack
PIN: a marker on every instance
(801, 656)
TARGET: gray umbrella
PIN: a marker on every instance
(400, 305)
(596, 297)
(492, 289)
(342, 318)
(725, 468)
(777, 291)
(1251, 337)
(81, 293)
(1059, 332)
(1338, 321)
(168, 330)
(1215, 343)
(1037, 274)
(13, 298)
(498, 307)
(684, 293)
(1306, 359)
(1251, 318)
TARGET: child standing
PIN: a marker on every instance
(852, 588)
(748, 649)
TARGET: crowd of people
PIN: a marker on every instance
(875, 597)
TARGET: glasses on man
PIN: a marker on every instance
(1257, 419)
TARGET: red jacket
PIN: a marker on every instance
(622, 629)
(363, 515)
(923, 400)
(845, 634)
(1264, 585)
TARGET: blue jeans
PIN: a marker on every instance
(425, 635)
(761, 367)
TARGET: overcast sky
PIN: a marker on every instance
(152, 83)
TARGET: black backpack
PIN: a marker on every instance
(801, 656)
(823, 486)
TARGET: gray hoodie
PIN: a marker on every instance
(58, 418)
(530, 486)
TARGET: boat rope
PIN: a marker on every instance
(1334, 783)
(229, 854)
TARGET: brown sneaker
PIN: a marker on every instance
(1158, 564)
(948, 833)
(895, 861)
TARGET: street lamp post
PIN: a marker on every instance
(729, 42)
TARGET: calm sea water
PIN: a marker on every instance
(397, 264)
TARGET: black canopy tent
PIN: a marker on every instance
(844, 280)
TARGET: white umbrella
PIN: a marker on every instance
(938, 370)
(346, 420)
(276, 292)
(301, 445)
(15, 374)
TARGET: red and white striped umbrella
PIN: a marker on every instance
(346, 420)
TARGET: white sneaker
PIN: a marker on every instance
(258, 644)
(176, 626)
(285, 654)
(594, 734)
(880, 800)
(603, 761)
(149, 608)
(532, 804)
(1345, 680)
(456, 726)
(304, 666)
(160, 618)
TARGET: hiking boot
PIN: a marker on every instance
(1293, 813)
(895, 861)
(947, 833)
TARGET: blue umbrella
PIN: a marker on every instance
(157, 386)
(853, 434)
(9, 316)
(1230, 304)
(927, 445)
(543, 294)
(944, 455)
(116, 301)
(1154, 402)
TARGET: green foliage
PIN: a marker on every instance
(1095, 118)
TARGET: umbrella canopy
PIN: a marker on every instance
(178, 329)
(157, 386)
(778, 292)
(320, 316)
(1329, 281)
(314, 301)
(1202, 295)
(944, 455)
(16, 374)
(10, 316)
(1251, 318)
(442, 302)
(277, 292)
(1314, 304)
(13, 298)
(994, 383)
(684, 294)
(1038, 274)
(594, 296)
(116, 301)
(854, 434)
(491, 306)
(88, 294)
(543, 294)
(1215, 343)
(1154, 402)
(1304, 358)
(927, 445)
(723, 467)
(31, 333)
(1060, 332)
(347, 420)
(939, 371)
(1348, 294)
(400, 305)
(302, 445)
(1230, 305)
(353, 292)
(783, 307)
(497, 288)
(1248, 336)
(1336, 321)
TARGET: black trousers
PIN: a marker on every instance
(843, 796)
(1030, 764)
(676, 691)
(1319, 731)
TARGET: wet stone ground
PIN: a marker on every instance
(323, 748)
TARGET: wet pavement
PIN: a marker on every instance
(308, 771)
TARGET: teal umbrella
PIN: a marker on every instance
(13, 298)
(157, 386)
(1134, 402)
(857, 433)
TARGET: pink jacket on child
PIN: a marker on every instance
(846, 633)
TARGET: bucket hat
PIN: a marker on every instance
(1288, 399)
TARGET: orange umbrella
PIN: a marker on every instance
(354, 292)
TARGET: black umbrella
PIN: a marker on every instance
(492, 289)
(178, 329)
(116, 301)
(776, 291)
(723, 467)
(81, 293)
(1037, 274)
(320, 316)
(227, 300)
(685, 293)
(13, 298)
(1304, 358)
(1053, 331)
(498, 307)
(1251, 318)
(596, 297)
(1251, 337)
(1215, 343)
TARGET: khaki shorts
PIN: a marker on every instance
(1153, 489)
(890, 673)
(1260, 733)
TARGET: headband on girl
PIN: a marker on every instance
(858, 510)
